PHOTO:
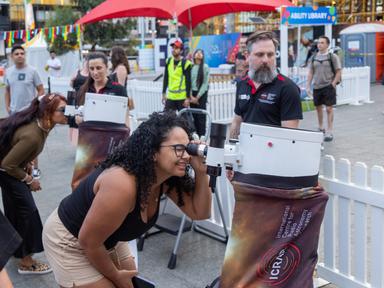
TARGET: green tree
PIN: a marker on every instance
(105, 33)
(201, 29)
(63, 16)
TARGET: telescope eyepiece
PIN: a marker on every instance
(197, 149)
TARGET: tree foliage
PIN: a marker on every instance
(63, 16)
(104, 33)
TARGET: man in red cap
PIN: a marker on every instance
(177, 79)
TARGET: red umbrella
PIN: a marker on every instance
(188, 12)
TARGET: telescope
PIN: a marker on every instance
(214, 153)
(278, 209)
(266, 152)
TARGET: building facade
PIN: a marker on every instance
(42, 9)
(349, 12)
(5, 23)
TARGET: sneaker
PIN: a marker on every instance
(36, 173)
(321, 130)
(35, 268)
(328, 137)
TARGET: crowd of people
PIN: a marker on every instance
(143, 162)
(186, 84)
(84, 238)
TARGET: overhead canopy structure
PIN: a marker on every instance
(189, 13)
(363, 28)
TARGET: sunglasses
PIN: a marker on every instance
(61, 109)
(179, 149)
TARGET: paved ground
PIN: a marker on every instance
(359, 136)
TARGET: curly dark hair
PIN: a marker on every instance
(136, 155)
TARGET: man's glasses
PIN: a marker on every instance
(179, 149)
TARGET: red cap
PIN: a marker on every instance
(177, 43)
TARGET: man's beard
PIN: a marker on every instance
(176, 54)
(263, 75)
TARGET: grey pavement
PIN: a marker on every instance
(359, 136)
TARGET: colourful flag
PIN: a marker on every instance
(29, 19)
(65, 33)
(10, 38)
(78, 31)
(53, 34)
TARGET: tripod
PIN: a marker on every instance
(176, 226)
(207, 232)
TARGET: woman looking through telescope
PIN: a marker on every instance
(119, 202)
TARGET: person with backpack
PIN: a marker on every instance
(177, 79)
(325, 73)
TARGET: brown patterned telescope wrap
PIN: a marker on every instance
(96, 141)
(274, 237)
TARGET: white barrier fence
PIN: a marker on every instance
(60, 85)
(354, 88)
(353, 236)
(147, 97)
(351, 250)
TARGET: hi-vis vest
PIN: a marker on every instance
(177, 89)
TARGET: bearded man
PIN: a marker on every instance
(264, 96)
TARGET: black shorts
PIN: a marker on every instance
(324, 96)
(175, 105)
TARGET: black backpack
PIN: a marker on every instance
(330, 62)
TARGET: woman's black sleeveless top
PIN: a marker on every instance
(74, 208)
(79, 81)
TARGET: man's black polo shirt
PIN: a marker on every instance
(270, 104)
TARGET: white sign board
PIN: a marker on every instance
(161, 53)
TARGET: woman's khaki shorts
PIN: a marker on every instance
(67, 259)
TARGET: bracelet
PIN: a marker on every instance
(25, 178)
(30, 182)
